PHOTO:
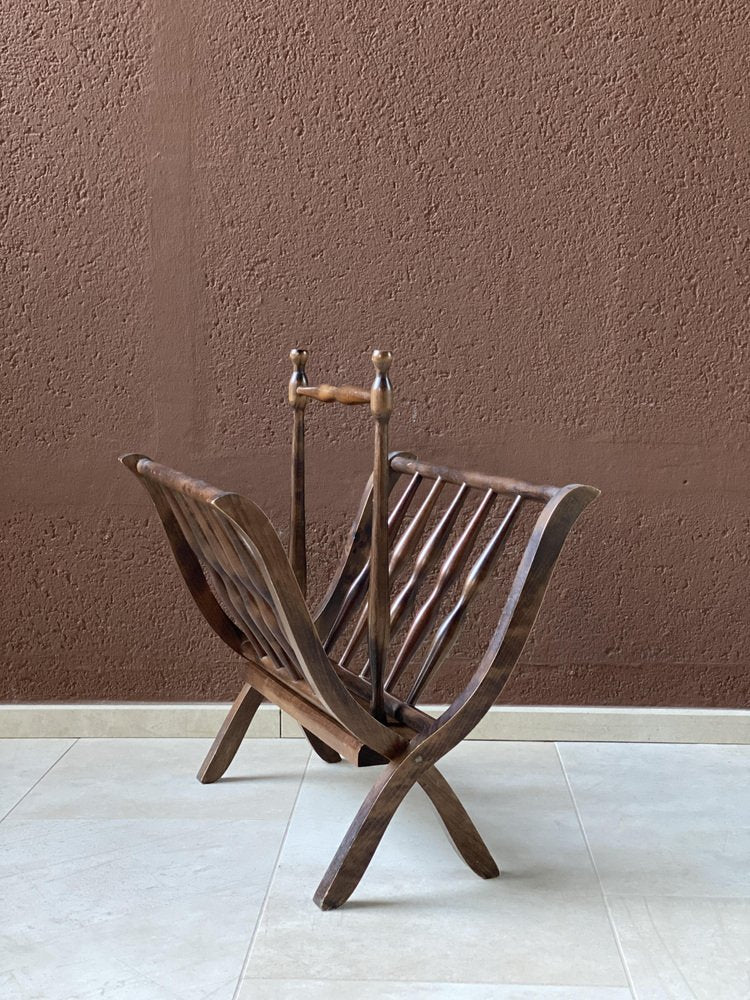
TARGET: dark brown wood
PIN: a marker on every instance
(449, 571)
(398, 711)
(231, 734)
(458, 824)
(326, 753)
(477, 480)
(359, 586)
(354, 559)
(378, 624)
(252, 594)
(426, 559)
(403, 551)
(476, 579)
(188, 564)
(297, 546)
(528, 589)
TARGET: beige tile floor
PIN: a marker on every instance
(625, 874)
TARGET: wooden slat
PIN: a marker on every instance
(475, 581)
(478, 480)
(248, 580)
(401, 554)
(175, 480)
(242, 584)
(211, 550)
(428, 556)
(259, 533)
(449, 571)
(354, 559)
(359, 586)
(187, 561)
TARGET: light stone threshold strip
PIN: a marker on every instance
(545, 723)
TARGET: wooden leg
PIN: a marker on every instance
(326, 753)
(458, 824)
(364, 835)
(231, 734)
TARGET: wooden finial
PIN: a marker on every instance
(298, 357)
(381, 394)
(382, 361)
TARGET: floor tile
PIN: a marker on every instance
(322, 989)
(23, 763)
(664, 819)
(419, 913)
(685, 949)
(122, 877)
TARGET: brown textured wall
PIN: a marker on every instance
(541, 209)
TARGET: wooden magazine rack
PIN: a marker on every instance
(332, 668)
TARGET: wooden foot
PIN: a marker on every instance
(231, 734)
(364, 835)
(458, 824)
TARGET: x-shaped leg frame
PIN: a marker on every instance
(377, 810)
(366, 831)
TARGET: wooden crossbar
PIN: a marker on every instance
(478, 480)
(349, 395)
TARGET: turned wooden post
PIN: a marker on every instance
(379, 616)
(297, 549)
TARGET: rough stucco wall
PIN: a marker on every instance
(542, 212)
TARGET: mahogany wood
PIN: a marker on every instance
(477, 577)
(231, 734)
(252, 594)
(378, 622)
(478, 480)
(297, 547)
(401, 553)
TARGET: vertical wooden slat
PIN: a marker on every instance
(187, 512)
(238, 579)
(475, 580)
(426, 559)
(246, 581)
(357, 588)
(379, 603)
(402, 552)
(452, 566)
(297, 525)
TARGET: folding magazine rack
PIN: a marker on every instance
(331, 669)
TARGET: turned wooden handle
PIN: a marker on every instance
(350, 395)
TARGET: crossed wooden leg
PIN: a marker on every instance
(375, 813)
(232, 733)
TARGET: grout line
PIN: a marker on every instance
(610, 918)
(41, 778)
(262, 910)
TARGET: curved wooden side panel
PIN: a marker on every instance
(258, 534)
(426, 749)
(188, 564)
(519, 614)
